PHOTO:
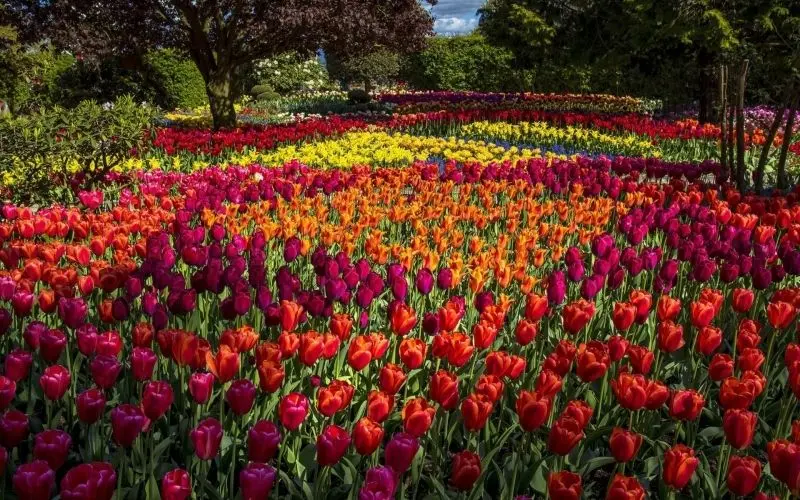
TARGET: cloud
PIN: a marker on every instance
(456, 16)
(454, 25)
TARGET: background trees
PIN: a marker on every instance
(223, 36)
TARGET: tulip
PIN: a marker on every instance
(143, 362)
(86, 335)
(53, 447)
(735, 393)
(262, 441)
(34, 480)
(240, 396)
(668, 308)
(380, 405)
(341, 326)
(105, 370)
(702, 314)
(109, 343)
(708, 340)
(176, 485)
(475, 410)
(742, 300)
(577, 315)
(13, 428)
(311, 348)
(624, 315)
(750, 359)
(679, 466)
(780, 314)
(535, 307)
(51, 344)
(96, 480)
(624, 444)
(127, 422)
(686, 405)
(367, 436)
(332, 444)
(18, 364)
(379, 483)
(72, 312)
(720, 367)
(625, 488)
(592, 361)
(617, 347)
(744, 474)
(740, 427)
(270, 376)
(201, 385)
(533, 410)
(8, 389)
(443, 389)
(630, 391)
(641, 359)
(465, 470)
(564, 485)
(142, 335)
(564, 435)
(402, 319)
(670, 336)
(293, 410)
(156, 399)
(290, 313)
(412, 352)
(224, 365)
(91, 405)
(417, 416)
(206, 438)
(256, 481)
(335, 397)
(400, 452)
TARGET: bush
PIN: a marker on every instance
(31, 76)
(379, 67)
(176, 80)
(264, 92)
(289, 73)
(358, 96)
(464, 63)
(43, 152)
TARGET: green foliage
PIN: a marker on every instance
(358, 96)
(264, 92)
(41, 152)
(32, 76)
(378, 67)
(176, 80)
(289, 73)
(464, 63)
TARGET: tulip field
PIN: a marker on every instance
(472, 296)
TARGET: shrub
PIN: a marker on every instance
(289, 73)
(43, 152)
(358, 96)
(379, 67)
(264, 92)
(176, 79)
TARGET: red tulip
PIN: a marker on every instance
(156, 399)
(535, 307)
(240, 396)
(18, 364)
(641, 359)
(256, 481)
(742, 300)
(443, 389)
(13, 428)
(52, 446)
(668, 308)
(400, 452)
(176, 485)
(289, 344)
(625, 488)
(624, 444)
(201, 385)
(460, 349)
(686, 404)
(630, 391)
(577, 315)
(417, 416)
(105, 370)
(293, 410)
(332, 444)
(780, 314)
(379, 405)
(533, 409)
(465, 470)
(735, 393)
(91, 404)
(623, 316)
(34, 480)
(548, 383)
(564, 435)
(8, 389)
(564, 485)
(54, 382)
(485, 333)
(96, 480)
(475, 410)
(670, 336)
(702, 314)
(262, 441)
(341, 326)
(679, 466)
(270, 376)
(750, 359)
(490, 386)
(206, 438)
(142, 334)
(740, 427)
(643, 302)
(290, 315)
(109, 343)
(525, 332)
(720, 367)
(403, 319)
(367, 436)
(359, 353)
(617, 347)
(51, 345)
(657, 395)
(143, 361)
(744, 474)
(311, 348)
(335, 397)
(127, 422)
(708, 340)
(391, 378)
(592, 361)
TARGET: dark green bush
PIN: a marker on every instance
(43, 152)
(358, 96)
(176, 79)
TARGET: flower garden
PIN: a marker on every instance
(470, 295)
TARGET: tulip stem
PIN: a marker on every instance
(233, 456)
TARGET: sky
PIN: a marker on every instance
(456, 16)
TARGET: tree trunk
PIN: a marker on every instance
(787, 141)
(762, 159)
(219, 88)
(740, 167)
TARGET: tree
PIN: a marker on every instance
(223, 37)
(379, 66)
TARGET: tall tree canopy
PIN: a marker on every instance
(222, 36)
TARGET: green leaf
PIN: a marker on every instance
(596, 463)
(440, 489)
